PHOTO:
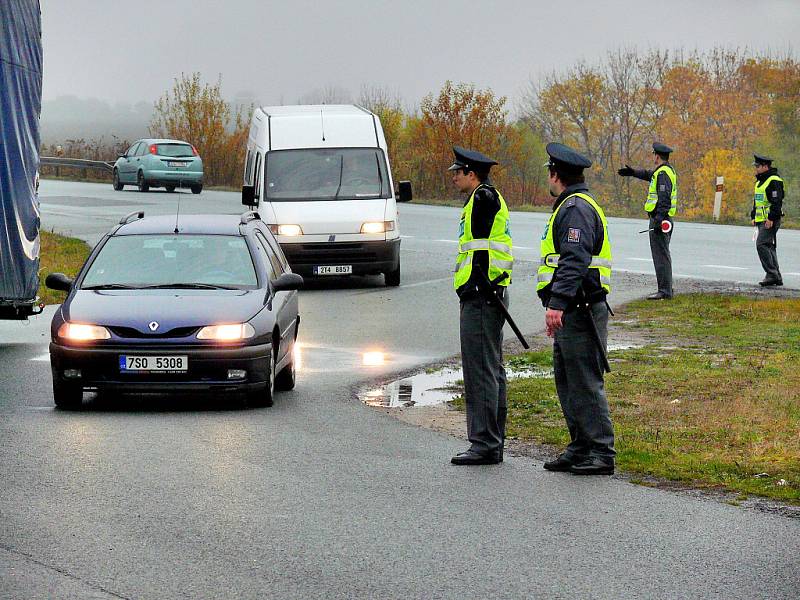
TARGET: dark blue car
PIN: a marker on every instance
(199, 303)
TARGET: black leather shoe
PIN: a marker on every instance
(562, 463)
(658, 296)
(592, 466)
(473, 458)
(770, 281)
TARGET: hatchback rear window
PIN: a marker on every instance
(183, 260)
(174, 150)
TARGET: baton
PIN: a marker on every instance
(665, 227)
(486, 286)
(587, 310)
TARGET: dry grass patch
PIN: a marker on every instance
(59, 254)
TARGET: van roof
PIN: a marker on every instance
(313, 109)
(319, 126)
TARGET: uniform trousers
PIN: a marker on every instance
(481, 326)
(662, 260)
(578, 370)
(767, 247)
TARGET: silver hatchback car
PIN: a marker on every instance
(163, 163)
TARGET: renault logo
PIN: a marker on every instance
(153, 325)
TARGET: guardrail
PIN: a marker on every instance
(76, 163)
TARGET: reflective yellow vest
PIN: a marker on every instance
(549, 259)
(498, 245)
(652, 193)
(760, 198)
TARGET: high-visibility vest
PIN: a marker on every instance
(549, 258)
(760, 198)
(652, 193)
(498, 245)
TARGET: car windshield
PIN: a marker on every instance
(181, 261)
(174, 150)
(326, 174)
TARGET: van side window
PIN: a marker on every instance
(247, 167)
(257, 176)
(273, 257)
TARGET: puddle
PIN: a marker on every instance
(430, 389)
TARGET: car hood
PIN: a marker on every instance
(169, 308)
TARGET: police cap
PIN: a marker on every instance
(471, 160)
(761, 160)
(660, 148)
(564, 158)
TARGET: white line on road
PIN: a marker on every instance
(429, 282)
(447, 241)
(726, 267)
(406, 237)
(792, 274)
(42, 358)
(634, 258)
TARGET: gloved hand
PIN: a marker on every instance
(626, 171)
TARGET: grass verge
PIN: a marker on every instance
(59, 254)
(716, 403)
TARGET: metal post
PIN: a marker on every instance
(718, 198)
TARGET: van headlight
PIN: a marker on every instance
(227, 333)
(377, 226)
(81, 332)
(290, 230)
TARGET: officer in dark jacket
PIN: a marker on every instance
(573, 280)
(484, 255)
(766, 215)
(660, 205)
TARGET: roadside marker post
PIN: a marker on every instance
(718, 197)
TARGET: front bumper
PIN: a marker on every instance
(366, 258)
(207, 368)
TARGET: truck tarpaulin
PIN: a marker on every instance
(20, 107)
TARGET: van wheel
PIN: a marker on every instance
(196, 189)
(392, 278)
(170, 188)
(141, 183)
(67, 397)
(118, 185)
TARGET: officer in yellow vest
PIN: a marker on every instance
(766, 215)
(660, 205)
(573, 280)
(484, 247)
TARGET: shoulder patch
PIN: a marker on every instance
(662, 188)
(569, 202)
(574, 235)
(774, 193)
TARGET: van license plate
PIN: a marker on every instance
(153, 364)
(333, 270)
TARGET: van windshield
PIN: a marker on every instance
(326, 174)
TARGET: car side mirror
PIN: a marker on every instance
(58, 281)
(405, 193)
(249, 195)
(122, 155)
(286, 282)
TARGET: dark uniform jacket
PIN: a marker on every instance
(664, 190)
(774, 193)
(484, 210)
(577, 235)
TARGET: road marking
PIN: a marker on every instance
(792, 273)
(42, 358)
(726, 267)
(447, 241)
(429, 282)
(406, 237)
(523, 248)
(634, 258)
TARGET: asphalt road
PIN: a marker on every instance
(322, 497)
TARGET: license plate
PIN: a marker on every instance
(173, 163)
(333, 270)
(153, 364)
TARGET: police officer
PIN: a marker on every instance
(484, 247)
(661, 204)
(766, 215)
(573, 280)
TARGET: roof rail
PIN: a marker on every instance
(248, 216)
(139, 214)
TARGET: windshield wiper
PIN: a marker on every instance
(188, 286)
(341, 170)
(110, 286)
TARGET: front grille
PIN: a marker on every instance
(131, 333)
(329, 253)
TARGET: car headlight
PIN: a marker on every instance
(377, 227)
(227, 333)
(291, 230)
(80, 332)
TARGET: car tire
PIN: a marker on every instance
(285, 380)
(170, 188)
(392, 278)
(141, 183)
(118, 185)
(263, 397)
(66, 396)
(196, 189)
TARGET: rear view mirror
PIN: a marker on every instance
(404, 191)
(58, 281)
(122, 155)
(249, 195)
(287, 281)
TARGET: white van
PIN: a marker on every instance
(321, 180)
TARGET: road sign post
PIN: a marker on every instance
(718, 197)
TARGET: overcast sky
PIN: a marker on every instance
(280, 50)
